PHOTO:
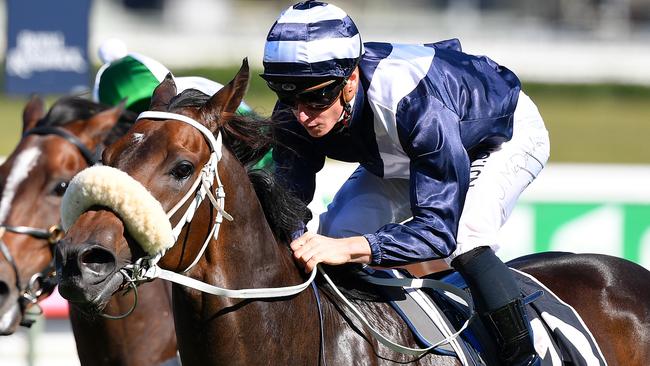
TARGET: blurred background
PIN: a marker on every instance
(586, 64)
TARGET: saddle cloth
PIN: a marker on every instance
(561, 337)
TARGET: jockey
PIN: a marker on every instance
(134, 76)
(437, 133)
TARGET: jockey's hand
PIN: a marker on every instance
(311, 249)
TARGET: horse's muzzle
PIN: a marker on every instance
(86, 273)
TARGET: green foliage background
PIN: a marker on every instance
(604, 123)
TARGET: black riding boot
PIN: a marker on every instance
(498, 301)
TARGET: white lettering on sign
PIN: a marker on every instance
(43, 51)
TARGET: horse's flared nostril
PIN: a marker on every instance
(4, 292)
(98, 260)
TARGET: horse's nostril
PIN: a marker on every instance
(97, 259)
(4, 292)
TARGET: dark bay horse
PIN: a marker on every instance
(169, 157)
(55, 146)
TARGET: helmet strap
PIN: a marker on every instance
(346, 115)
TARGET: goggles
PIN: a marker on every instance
(314, 97)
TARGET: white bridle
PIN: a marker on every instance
(146, 268)
(201, 187)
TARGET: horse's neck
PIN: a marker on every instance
(247, 255)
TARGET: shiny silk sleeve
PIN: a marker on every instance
(439, 179)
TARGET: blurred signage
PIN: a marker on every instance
(618, 229)
(47, 45)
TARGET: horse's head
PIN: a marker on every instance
(33, 179)
(119, 212)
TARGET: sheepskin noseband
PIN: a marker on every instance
(141, 213)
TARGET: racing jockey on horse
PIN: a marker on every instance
(437, 133)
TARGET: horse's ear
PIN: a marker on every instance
(223, 104)
(163, 93)
(33, 112)
(97, 127)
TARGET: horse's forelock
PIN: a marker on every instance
(248, 137)
(188, 98)
(70, 109)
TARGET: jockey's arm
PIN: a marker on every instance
(439, 179)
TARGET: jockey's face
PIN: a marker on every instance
(320, 121)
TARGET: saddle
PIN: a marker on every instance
(435, 313)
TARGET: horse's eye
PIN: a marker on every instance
(182, 170)
(60, 188)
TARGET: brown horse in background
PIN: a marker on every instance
(55, 146)
(214, 330)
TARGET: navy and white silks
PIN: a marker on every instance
(423, 117)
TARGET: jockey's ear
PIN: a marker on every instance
(33, 112)
(224, 103)
(95, 129)
(163, 93)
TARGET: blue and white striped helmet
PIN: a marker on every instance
(312, 39)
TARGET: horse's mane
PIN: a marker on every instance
(127, 119)
(72, 108)
(250, 138)
(68, 109)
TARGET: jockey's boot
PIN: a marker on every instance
(498, 301)
(510, 326)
